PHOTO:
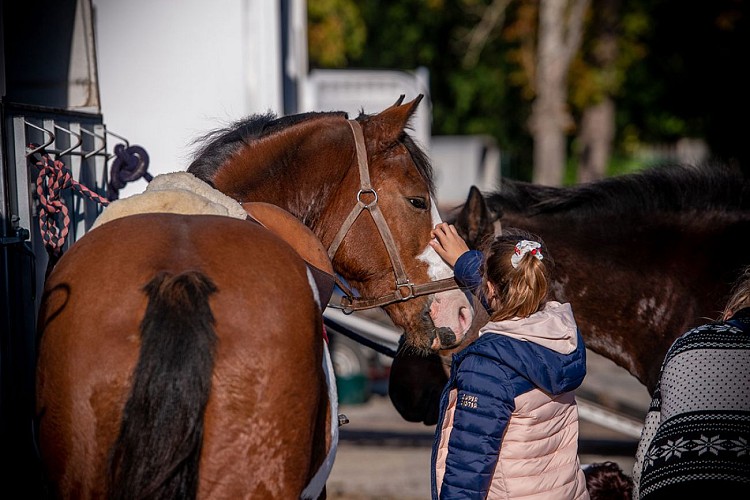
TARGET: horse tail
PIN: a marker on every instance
(158, 450)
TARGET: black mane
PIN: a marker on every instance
(668, 188)
(217, 146)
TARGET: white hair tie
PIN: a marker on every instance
(522, 248)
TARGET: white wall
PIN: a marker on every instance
(371, 91)
(462, 161)
(171, 70)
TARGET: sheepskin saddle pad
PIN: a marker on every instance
(178, 193)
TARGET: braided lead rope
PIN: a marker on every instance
(52, 179)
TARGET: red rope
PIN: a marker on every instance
(52, 179)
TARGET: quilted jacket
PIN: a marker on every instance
(508, 424)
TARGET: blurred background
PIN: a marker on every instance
(551, 91)
(555, 91)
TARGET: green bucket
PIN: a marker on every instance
(353, 389)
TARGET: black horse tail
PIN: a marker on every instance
(158, 450)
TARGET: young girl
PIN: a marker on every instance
(508, 425)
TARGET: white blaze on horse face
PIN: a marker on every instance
(449, 309)
(437, 268)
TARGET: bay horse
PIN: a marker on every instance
(641, 257)
(192, 363)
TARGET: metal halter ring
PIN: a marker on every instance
(408, 286)
(371, 191)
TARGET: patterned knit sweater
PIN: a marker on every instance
(696, 439)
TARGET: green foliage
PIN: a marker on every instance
(336, 32)
(620, 165)
(466, 99)
(678, 71)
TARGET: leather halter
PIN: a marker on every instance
(404, 289)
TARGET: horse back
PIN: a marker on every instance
(266, 363)
(637, 285)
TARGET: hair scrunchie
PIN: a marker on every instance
(522, 248)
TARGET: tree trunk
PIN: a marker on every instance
(559, 37)
(597, 131)
(595, 140)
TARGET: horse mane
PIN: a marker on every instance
(217, 146)
(214, 148)
(421, 160)
(667, 188)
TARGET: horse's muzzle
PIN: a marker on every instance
(446, 337)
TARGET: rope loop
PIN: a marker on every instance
(130, 164)
(54, 217)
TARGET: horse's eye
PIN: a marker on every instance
(419, 203)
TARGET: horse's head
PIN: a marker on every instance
(384, 255)
(365, 189)
(416, 382)
(474, 221)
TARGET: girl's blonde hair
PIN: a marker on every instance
(519, 291)
(740, 296)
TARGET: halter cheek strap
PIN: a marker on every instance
(404, 290)
(372, 207)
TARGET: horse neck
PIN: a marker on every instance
(590, 270)
(292, 170)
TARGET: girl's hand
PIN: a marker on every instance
(447, 243)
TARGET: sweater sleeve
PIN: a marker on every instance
(484, 406)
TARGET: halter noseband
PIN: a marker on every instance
(405, 289)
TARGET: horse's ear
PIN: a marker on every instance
(386, 127)
(473, 221)
(396, 104)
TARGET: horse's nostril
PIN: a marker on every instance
(446, 336)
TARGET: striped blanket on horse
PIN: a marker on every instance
(696, 439)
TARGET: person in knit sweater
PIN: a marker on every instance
(508, 421)
(696, 439)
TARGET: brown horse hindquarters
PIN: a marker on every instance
(267, 420)
(267, 408)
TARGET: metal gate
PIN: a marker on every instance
(79, 141)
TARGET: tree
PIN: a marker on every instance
(559, 38)
(542, 89)
(596, 131)
(336, 32)
(693, 79)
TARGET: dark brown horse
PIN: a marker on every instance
(641, 257)
(184, 355)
